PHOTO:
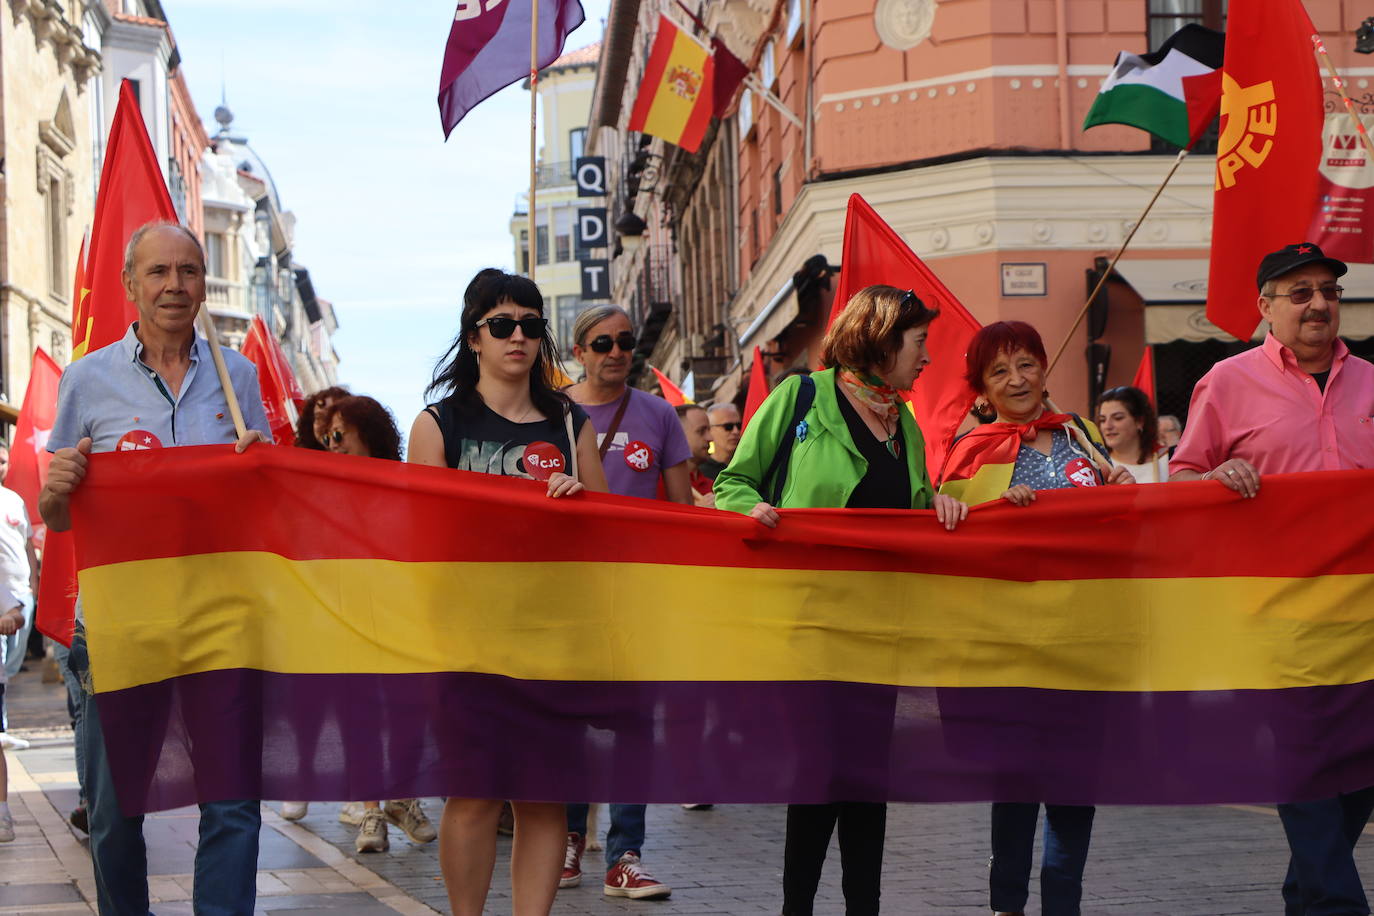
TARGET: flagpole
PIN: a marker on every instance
(534, 116)
(207, 327)
(1182, 154)
(1340, 87)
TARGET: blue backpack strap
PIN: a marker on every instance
(796, 431)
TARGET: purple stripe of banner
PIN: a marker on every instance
(251, 734)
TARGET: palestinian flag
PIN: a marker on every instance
(1174, 92)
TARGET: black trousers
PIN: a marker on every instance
(863, 827)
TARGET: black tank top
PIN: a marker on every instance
(483, 440)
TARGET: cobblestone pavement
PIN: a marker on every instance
(1144, 861)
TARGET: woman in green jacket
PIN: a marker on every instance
(855, 445)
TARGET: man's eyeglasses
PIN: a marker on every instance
(502, 327)
(624, 340)
(728, 427)
(1303, 294)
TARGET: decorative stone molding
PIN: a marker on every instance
(903, 24)
(49, 24)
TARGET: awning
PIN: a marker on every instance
(777, 314)
(1175, 293)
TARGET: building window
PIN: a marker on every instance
(176, 186)
(777, 191)
(1168, 16)
(525, 252)
(746, 113)
(567, 308)
(794, 19)
(541, 245)
(577, 143)
(562, 235)
(768, 66)
(215, 257)
(57, 242)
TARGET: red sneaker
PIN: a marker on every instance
(572, 861)
(627, 878)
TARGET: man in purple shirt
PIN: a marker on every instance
(641, 441)
(1299, 402)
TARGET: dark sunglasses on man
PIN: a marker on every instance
(728, 427)
(624, 340)
(1303, 294)
(502, 327)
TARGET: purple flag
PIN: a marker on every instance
(489, 48)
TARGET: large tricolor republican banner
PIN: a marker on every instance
(291, 624)
(1268, 152)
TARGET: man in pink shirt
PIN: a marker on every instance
(1299, 402)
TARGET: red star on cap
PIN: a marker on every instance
(1304, 249)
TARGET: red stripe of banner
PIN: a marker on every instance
(652, 81)
(315, 505)
(700, 118)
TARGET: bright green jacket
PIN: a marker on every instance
(824, 467)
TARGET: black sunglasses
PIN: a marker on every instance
(336, 436)
(502, 327)
(729, 427)
(1301, 296)
(624, 340)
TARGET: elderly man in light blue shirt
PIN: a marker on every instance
(155, 388)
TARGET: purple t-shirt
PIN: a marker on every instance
(649, 439)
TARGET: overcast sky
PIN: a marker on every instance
(338, 98)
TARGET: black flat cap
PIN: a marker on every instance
(1291, 257)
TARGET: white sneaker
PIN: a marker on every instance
(13, 743)
(294, 811)
(6, 828)
(407, 814)
(351, 813)
(372, 832)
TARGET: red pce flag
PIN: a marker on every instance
(29, 458)
(1268, 154)
(875, 254)
(132, 192)
(282, 397)
(671, 393)
(1145, 375)
(758, 386)
(677, 94)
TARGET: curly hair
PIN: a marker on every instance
(375, 425)
(305, 423)
(1137, 404)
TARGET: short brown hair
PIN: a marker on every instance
(869, 331)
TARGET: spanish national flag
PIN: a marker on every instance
(676, 95)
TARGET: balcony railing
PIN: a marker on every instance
(225, 295)
(553, 174)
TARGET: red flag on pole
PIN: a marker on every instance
(874, 253)
(758, 386)
(1145, 375)
(1268, 153)
(29, 458)
(132, 192)
(489, 48)
(282, 397)
(671, 393)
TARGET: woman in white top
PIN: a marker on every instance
(1131, 431)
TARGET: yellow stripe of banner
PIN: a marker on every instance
(683, 80)
(631, 622)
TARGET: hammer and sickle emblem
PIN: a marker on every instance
(1250, 115)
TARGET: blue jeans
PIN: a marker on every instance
(1322, 879)
(626, 833)
(61, 654)
(1068, 831)
(17, 644)
(226, 857)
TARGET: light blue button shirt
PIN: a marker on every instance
(117, 400)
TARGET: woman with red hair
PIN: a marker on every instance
(1029, 447)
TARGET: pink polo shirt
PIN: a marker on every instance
(1258, 405)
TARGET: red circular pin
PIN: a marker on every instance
(639, 456)
(136, 440)
(543, 460)
(1081, 473)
